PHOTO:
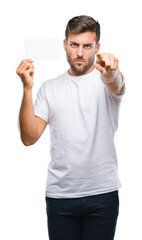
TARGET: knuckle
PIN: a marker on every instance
(22, 73)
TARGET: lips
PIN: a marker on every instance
(79, 61)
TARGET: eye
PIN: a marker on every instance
(74, 45)
(88, 46)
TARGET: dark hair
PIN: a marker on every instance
(81, 24)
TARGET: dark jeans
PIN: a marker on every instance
(85, 218)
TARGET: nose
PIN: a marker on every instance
(80, 52)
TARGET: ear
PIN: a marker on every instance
(65, 44)
(97, 48)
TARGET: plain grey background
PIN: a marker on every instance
(23, 170)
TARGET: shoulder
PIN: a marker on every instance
(51, 84)
(54, 81)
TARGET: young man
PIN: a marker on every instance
(81, 107)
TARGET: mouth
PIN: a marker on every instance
(79, 61)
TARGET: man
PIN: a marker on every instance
(81, 107)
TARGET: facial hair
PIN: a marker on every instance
(85, 68)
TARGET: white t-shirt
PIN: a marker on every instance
(83, 118)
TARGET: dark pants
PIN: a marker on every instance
(85, 218)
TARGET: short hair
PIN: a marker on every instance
(81, 24)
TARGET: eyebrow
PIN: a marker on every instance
(83, 44)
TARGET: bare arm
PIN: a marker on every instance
(31, 127)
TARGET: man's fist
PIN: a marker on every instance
(105, 62)
(26, 72)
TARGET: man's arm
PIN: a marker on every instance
(31, 127)
(107, 64)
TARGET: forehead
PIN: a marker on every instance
(82, 38)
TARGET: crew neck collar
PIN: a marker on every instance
(85, 76)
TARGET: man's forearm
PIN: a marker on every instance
(28, 124)
(114, 81)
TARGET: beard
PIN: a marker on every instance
(80, 68)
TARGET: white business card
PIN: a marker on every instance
(42, 49)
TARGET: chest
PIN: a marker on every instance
(72, 100)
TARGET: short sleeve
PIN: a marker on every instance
(41, 106)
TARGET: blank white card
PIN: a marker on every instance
(42, 49)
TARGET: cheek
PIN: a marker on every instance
(90, 55)
(71, 53)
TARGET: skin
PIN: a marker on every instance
(31, 127)
(80, 50)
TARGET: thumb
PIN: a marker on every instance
(100, 58)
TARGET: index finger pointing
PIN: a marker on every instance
(100, 58)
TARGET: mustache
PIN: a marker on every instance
(79, 58)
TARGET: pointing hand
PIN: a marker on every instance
(105, 62)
